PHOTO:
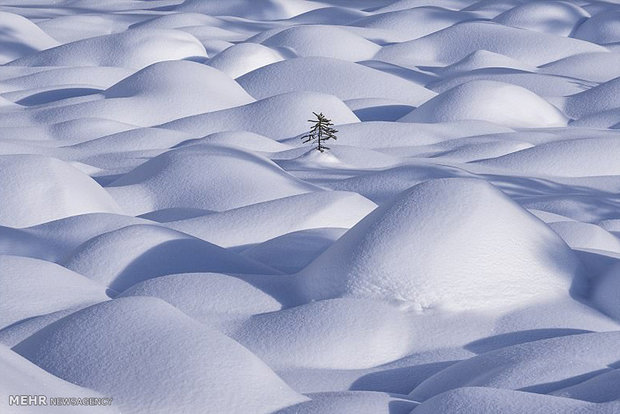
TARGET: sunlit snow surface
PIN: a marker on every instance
(167, 240)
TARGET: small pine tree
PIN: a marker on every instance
(321, 131)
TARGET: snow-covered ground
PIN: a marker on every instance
(168, 241)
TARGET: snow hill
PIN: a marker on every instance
(169, 241)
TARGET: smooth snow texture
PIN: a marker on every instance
(344, 79)
(602, 28)
(240, 59)
(135, 49)
(287, 114)
(554, 17)
(178, 357)
(301, 212)
(21, 377)
(455, 42)
(605, 292)
(571, 158)
(540, 366)
(336, 334)
(123, 257)
(228, 178)
(391, 254)
(490, 400)
(186, 86)
(37, 189)
(20, 37)
(167, 239)
(500, 103)
(317, 41)
(35, 287)
(207, 296)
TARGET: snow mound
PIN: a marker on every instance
(603, 28)
(602, 388)
(70, 28)
(329, 15)
(207, 296)
(63, 235)
(301, 212)
(242, 58)
(540, 366)
(554, 17)
(20, 37)
(227, 178)
(586, 236)
(456, 42)
(178, 21)
(604, 293)
(43, 189)
(600, 120)
(138, 139)
(491, 101)
(409, 250)
(21, 377)
(177, 357)
(395, 134)
(179, 89)
(359, 402)
(32, 287)
(572, 158)
(293, 251)
(124, 257)
(335, 334)
(481, 59)
(261, 9)
(248, 141)
(346, 80)
(601, 98)
(287, 114)
(490, 401)
(595, 67)
(309, 41)
(131, 49)
(428, 19)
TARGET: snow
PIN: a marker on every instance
(491, 101)
(539, 366)
(315, 41)
(45, 189)
(178, 357)
(21, 377)
(300, 212)
(35, 287)
(565, 158)
(390, 255)
(136, 49)
(123, 257)
(168, 240)
(337, 334)
(554, 17)
(162, 182)
(602, 28)
(489, 400)
(242, 58)
(605, 292)
(21, 37)
(455, 42)
(343, 79)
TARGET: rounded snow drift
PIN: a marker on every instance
(446, 243)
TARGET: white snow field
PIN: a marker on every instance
(168, 244)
